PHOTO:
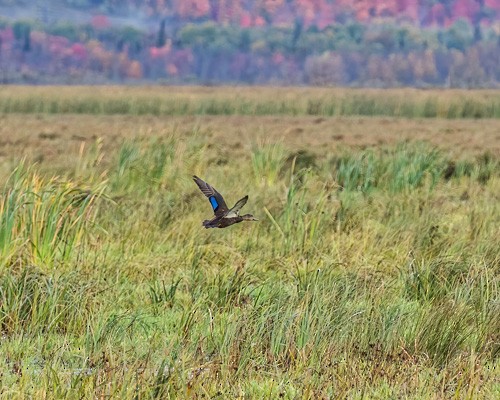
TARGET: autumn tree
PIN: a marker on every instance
(326, 69)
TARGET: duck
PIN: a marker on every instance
(223, 216)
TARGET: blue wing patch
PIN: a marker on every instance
(214, 203)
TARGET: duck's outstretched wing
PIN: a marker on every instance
(216, 200)
(235, 211)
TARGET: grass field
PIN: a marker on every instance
(169, 101)
(373, 272)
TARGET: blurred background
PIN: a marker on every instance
(359, 43)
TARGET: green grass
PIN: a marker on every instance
(106, 100)
(371, 274)
(42, 220)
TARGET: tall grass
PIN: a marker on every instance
(42, 220)
(409, 103)
(151, 165)
(371, 273)
(267, 161)
(405, 167)
(33, 303)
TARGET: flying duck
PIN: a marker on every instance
(224, 217)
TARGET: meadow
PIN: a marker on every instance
(373, 272)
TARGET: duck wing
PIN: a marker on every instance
(235, 211)
(216, 200)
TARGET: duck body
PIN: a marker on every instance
(222, 222)
(223, 216)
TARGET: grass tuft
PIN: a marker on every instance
(43, 220)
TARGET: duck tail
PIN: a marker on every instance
(206, 224)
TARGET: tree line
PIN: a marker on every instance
(384, 53)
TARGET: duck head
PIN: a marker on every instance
(249, 217)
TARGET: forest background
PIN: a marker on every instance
(439, 43)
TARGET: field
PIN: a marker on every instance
(373, 271)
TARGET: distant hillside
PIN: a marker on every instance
(318, 42)
(246, 13)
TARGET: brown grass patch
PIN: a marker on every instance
(58, 138)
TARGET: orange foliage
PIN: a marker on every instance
(98, 56)
(171, 69)
(230, 10)
(259, 21)
(192, 8)
(100, 21)
(271, 6)
(318, 12)
(160, 52)
(246, 20)
(134, 70)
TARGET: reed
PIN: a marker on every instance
(42, 220)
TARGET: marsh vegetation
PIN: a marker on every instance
(372, 273)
